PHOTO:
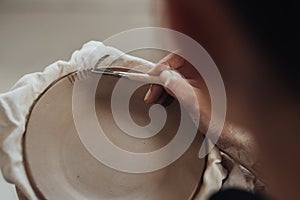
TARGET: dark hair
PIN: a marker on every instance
(275, 25)
(232, 194)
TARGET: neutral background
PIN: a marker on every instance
(34, 34)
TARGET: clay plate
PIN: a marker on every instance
(60, 167)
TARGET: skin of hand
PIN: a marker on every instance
(183, 82)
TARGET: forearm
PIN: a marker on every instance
(235, 141)
(240, 145)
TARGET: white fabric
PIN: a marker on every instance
(16, 103)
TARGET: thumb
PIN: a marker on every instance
(180, 88)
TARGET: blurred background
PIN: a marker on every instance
(34, 34)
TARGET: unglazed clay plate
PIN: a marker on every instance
(60, 166)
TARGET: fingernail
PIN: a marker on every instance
(147, 95)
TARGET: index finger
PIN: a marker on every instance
(171, 61)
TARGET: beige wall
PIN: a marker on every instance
(35, 33)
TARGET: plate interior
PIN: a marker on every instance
(60, 167)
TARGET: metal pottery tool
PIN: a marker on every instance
(135, 76)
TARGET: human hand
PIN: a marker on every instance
(183, 82)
